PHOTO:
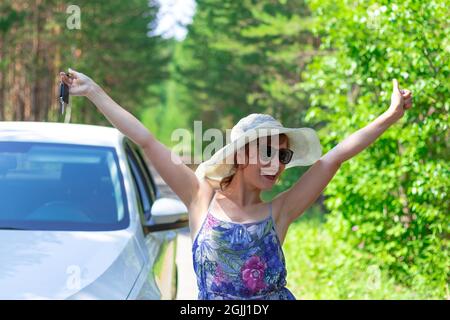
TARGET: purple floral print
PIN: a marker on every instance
(239, 261)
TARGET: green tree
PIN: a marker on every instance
(329, 65)
(391, 200)
(112, 46)
(246, 56)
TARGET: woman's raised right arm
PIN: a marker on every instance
(180, 178)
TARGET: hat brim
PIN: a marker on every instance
(304, 142)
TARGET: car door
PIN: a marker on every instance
(159, 247)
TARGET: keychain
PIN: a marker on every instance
(63, 94)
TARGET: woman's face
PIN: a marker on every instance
(262, 171)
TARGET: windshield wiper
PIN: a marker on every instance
(11, 228)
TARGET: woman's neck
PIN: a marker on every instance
(241, 193)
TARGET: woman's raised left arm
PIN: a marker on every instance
(294, 201)
(361, 139)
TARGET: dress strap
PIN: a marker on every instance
(205, 217)
(270, 208)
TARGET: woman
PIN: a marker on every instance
(237, 238)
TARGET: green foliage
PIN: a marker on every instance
(245, 56)
(115, 50)
(9, 17)
(330, 65)
(393, 196)
(168, 112)
(323, 265)
(111, 46)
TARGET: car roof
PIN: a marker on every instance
(56, 132)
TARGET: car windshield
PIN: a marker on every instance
(47, 186)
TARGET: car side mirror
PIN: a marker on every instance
(167, 214)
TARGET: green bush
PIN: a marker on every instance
(389, 202)
(322, 265)
(329, 65)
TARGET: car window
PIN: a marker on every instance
(50, 186)
(146, 173)
(142, 188)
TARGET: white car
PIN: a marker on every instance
(81, 217)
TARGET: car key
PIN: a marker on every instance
(63, 95)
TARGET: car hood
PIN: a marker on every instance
(66, 264)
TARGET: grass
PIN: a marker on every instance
(321, 266)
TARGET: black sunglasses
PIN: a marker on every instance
(266, 153)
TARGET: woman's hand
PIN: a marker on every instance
(401, 100)
(79, 83)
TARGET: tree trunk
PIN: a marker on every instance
(2, 79)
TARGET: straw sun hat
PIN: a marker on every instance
(304, 142)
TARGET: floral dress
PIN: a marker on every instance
(239, 260)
